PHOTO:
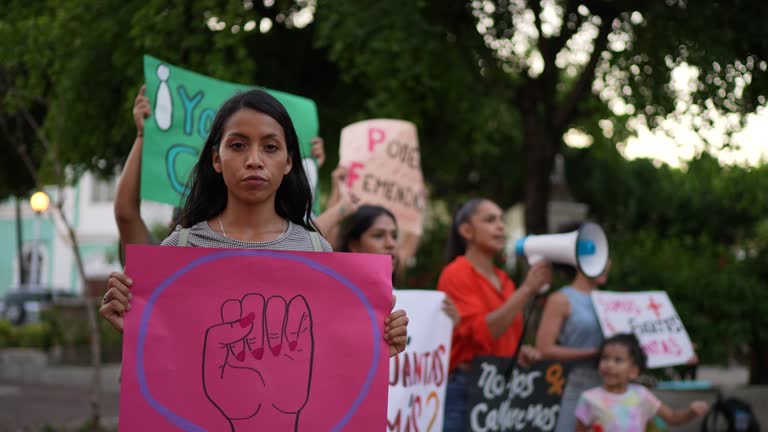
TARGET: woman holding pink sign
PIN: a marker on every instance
(131, 226)
(248, 190)
(490, 306)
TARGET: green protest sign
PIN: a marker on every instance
(184, 104)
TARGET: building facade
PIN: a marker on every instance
(89, 208)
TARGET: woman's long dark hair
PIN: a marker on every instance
(457, 245)
(356, 224)
(208, 193)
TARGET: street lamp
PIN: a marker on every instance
(39, 203)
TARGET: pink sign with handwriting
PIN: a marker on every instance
(384, 168)
(243, 339)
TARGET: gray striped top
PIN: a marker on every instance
(294, 238)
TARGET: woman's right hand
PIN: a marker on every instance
(141, 110)
(539, 276)
(338, 178)
(116, 301)
(528, 355)
(317, 150)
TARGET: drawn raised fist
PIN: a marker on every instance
(257, 363)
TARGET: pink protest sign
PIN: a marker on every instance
(242, 339)
(652, 318)
(384, 168)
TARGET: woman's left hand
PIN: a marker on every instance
(450, 309)
(396, 330)
(528, 355)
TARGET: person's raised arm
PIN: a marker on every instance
(340, 205)
(555, 312)
(132, 228)
(500, 319)
(680, 417)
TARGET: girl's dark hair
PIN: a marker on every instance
(356, 224)
(457, 245)
(630, 341)
(208, 193)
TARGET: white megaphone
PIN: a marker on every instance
(586, 249)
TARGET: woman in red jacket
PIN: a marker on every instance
(490, 307)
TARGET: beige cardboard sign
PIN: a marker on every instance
(384, 168)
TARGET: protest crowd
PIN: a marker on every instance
(254, 186)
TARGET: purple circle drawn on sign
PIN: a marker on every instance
(187, 425)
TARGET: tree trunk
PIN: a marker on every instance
(93, 324)
(539, 147)
(91, 312)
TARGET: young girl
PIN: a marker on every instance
(248, 190)
(619, 405)
(490, 307)
(373, 229)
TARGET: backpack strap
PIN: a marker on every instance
(709, 422)
(183, 237)
(317, 245)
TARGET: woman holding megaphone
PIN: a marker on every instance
(570, 332)
(489, 305)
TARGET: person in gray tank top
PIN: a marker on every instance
(570, 332)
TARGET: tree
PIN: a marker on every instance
(88, 79)
(555, 62)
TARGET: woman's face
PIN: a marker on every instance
(253, 156)
(485, 228)
(380, 238)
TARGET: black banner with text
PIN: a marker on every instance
(504, 396)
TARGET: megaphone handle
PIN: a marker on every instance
(533, 260)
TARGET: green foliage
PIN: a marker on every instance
(85, 80)
(35, 335)
(7, 334)
(709, 294)
(419, 61)
(431, 257)
(68, 326)
(700, 234)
